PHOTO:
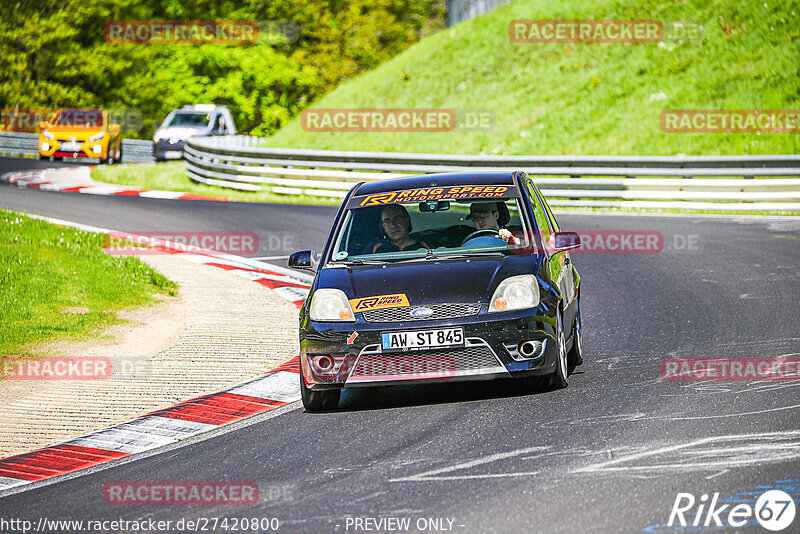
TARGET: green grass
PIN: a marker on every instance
(171, 176)
(46, 269)
(583, 98)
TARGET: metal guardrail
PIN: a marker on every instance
(26, 145)
(770, 182)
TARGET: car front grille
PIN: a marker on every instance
(440, 311)
(476, 356)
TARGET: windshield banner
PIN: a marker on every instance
(466, 192)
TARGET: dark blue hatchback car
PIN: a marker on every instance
(440, 277)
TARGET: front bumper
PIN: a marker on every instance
(166, 150)
(67, 148)
(490, 350)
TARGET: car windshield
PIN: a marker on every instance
(84, 118)
(442, 227)
(191, 119)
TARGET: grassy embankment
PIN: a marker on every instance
(583, 98)
(57, 283)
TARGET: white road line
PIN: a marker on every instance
(161, 194)
(102, 189)
(720, 416)
(292, 293)
(51, 186)
(166, 426)
(116, 438)
(6, 482)
(790, 450)
(432, 474)
(280, 386)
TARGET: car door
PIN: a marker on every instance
(560, 263)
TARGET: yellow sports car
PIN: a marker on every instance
(80, 133)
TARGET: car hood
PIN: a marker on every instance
(430, 281)
(78, 132)
(179, 132)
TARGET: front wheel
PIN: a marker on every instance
(558, 380)
(319, 400)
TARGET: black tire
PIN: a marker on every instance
(320, 400)
(119, 153)
(44, 157)
(558, 379)
(575, 354)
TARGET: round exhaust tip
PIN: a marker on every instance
(528, 348)
(323, 363)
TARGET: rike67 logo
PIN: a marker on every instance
(774, 510)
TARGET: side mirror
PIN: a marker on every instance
(566, 241)
(301, 260)
(43, 124)
(158, 125)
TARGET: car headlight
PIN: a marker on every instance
(515, 293)
(329, 305)
(47, 134)
(98, 136)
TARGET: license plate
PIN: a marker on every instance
(173, 154)
(422, 339)
(70, 146)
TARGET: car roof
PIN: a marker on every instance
(443, 179)
(203, 108)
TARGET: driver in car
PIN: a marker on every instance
(484, 215)
(395, 224)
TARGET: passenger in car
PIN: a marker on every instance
(486, 216)
(395, 225)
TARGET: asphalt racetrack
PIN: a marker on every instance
(610, 453)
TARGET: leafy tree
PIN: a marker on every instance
(53, 54)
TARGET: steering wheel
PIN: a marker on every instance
(479, 233)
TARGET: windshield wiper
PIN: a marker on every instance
(358, 261)
(471, 254)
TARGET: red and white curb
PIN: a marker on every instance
(163, 427)
(275, 388)
(38, 180)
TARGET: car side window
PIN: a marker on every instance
(539, 213)
(550, 216)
